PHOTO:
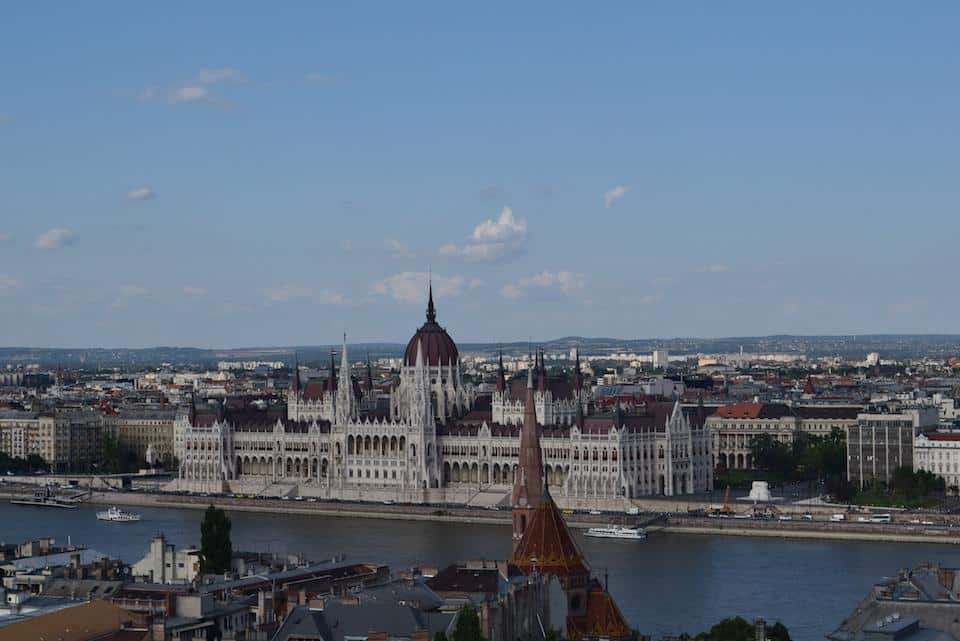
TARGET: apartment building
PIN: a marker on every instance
(882, 440)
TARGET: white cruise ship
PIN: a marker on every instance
(617, 532)
(116, 514)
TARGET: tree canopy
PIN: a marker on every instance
(739, 629)
(216, 549)
(468, 625)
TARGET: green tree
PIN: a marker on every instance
(216, 548)
(440, 636)
(739, 629)
(116, 457)
(730, 629)
(468, 625)
(778, 632)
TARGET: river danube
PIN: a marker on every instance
(667, 584)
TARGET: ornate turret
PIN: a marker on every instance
(577, 373)
(295, 376)
(332, 377)
(501, 375)
(541, 372)
(346, 408)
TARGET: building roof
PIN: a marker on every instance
(338, 621)
(547, 545)
(93, 620)
(753, 411)
(602, 620)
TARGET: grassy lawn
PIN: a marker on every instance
(882, 499)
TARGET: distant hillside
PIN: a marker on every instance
(888, 345)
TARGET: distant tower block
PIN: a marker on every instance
(661, 359)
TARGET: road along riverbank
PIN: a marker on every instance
(656, 523)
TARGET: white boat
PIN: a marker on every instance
(617, 532)
(116, 514)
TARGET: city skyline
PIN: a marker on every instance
(635, 171)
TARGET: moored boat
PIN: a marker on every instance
(617, 532)
(46, 497)
(116, 514)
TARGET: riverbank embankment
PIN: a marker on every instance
(657, 524)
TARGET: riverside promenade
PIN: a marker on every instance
(660, 521)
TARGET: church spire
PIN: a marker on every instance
(528, 484)
(431, 311)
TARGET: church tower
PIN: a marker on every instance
(528, 483)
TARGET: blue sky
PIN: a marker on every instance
(233, 174)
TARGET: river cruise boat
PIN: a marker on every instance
(617, 532)
(117, 515)
(46, 497)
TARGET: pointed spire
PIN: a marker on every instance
(369, 374)
(344, 363)
(577, 373)
(295, 375)
(501, 376)
(332, 377)
(541, 372)
(431, 311)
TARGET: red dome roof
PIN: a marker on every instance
(438, 347)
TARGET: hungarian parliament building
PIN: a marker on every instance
(439, 439)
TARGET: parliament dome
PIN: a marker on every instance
(438, 347)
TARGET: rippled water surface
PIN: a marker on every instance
(667, 584)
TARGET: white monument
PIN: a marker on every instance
(760, 492)
(151, 456)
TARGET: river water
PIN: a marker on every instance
(667, 584)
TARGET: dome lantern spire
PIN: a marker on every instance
(431, 311)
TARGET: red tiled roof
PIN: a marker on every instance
(547, 545)
(943, 437)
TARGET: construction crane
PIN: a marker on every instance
(723, 510)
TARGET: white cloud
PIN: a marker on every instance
(397, 249)
(196, 292)
(480, 252)
(288, 293)
(717, 269)
(505, 228)
(8, 284)
(411, 287)
(199, 89)
(140, 194)
(613, 195)
(475, 283)
(563, 281)
(511, 291)
(491, 239)
(190, 93)
(330, 298)
(55, 238)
